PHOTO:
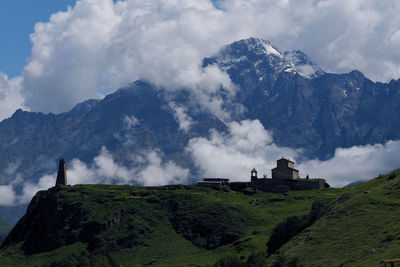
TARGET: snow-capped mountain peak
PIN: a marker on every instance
(302, 64)
(266, 57)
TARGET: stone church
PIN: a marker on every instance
(285, 170)
(284, 178)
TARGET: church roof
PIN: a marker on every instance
(285, 159)
(293, 169)
(254, 170)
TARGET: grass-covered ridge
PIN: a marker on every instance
(104, 225)
(125, 225)
(361, 229)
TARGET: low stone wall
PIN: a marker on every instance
(238, 186)
(281, 186)
(305, 184)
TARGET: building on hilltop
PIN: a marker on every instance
(284, 178)
(62, 173)
(285, 170)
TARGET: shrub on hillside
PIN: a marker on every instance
(292, 226)
(229, 261)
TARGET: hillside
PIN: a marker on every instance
(193, 226)
(4, 229)
(126, 224)
(361, 229)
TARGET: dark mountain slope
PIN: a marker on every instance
(132, 119)
(305, 107)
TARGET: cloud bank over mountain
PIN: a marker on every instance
(247, 145)
(150, 169)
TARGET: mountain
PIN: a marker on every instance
(180, 225)
(302, 106)
(354, 183)
(136, 118)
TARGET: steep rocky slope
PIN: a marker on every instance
(305, 107)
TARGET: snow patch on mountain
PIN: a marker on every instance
(295, 62)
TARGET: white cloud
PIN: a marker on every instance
(7, 195)
(150, 170)
(10, 95)
(30, 189)
(98, 45)
(355, 163)
(130, 122)
(249, 145)
(184, 120)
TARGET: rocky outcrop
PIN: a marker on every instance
(53, 221)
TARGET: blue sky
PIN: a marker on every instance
(17, 21)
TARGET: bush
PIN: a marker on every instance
(229, 261)
(292, 226)
(256, 260)
(282, 262)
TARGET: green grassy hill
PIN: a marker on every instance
(361, 229)
(4, 229)
(104, 225)
(188, 226)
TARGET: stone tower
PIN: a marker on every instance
(62, 174)
(254, 175)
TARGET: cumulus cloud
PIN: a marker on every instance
(249, 145)
(150, 169)
(98, 45)
(7, 195)
(10, 95)
(355, 163)
(130, 122)
(184, 120)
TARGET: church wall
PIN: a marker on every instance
(278, 173)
